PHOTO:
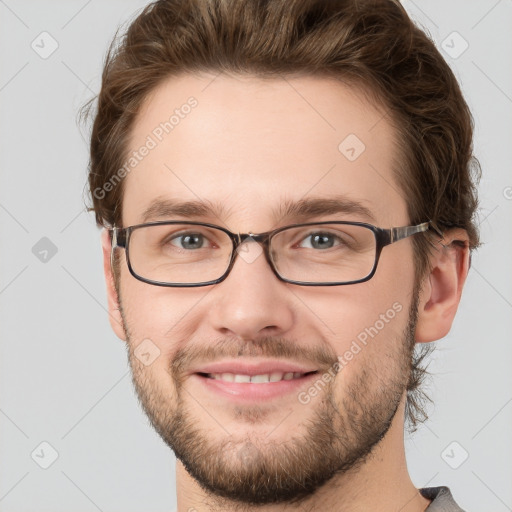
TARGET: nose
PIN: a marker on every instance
(251, 302)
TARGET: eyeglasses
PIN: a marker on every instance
(186, 254)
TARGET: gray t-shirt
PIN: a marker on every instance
(442, 500)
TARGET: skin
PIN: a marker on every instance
(250, 144)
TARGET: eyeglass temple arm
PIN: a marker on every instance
(403, 232)
(117, 237)
(400, 233)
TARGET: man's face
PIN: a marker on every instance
(249, 146)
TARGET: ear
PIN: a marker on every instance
(115, 318)
(442, 287)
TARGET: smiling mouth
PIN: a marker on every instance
(265, 378)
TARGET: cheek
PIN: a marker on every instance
(391, 288)
(150, 322)
(159, 314)
(365, 323)
(369, 344)
(369, 314)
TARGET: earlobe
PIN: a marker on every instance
(114, 312)
(442, 287)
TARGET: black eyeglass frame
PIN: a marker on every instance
(120, 238)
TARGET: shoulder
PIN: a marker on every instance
(442, 499)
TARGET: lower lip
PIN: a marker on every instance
(253, 392)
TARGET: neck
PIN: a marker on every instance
(381, 483)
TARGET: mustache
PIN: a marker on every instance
(186, 357)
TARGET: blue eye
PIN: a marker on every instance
(189, 241)
(320, 240)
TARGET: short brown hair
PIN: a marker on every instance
(371, 43)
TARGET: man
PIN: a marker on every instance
(288, 195)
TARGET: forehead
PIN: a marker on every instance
(247, 145)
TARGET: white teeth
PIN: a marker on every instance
(260, 378)
(242, 378)
(264, 378)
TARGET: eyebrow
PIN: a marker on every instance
(301, 209)
(165, 207)
(317, 206)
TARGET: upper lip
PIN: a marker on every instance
(240, 367)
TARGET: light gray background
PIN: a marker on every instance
(63, 374)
